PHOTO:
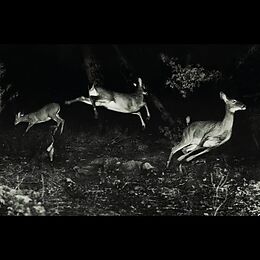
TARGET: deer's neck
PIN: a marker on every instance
(228, 121)
(139, 92)
(24, 118)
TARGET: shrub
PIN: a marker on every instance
(186, 79)
(20, 203)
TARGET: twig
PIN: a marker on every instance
(43, 187)
(20, 183)
(218, 208)
(221, 184)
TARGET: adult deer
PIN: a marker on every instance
(48, 112)
(207, 135)
(115, 101)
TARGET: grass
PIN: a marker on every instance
(94, 174)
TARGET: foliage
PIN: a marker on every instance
(187, 79)
(250, 52)
(2, 70)
(7, 93)
(173, 134)
(20, 203)
(247, 198)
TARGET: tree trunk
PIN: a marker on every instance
(165, 115)
(127, 70)
(92, 66)
(94, 74)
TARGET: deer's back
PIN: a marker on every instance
(105, 94)
(125, 102)
(208, 133)
(197, 130)
(47, 111)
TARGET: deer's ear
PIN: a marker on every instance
(223, 96)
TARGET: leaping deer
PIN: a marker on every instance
(48, 112)
(116, 101)
(206, 135)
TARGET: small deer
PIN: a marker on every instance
(115, 101)
(48, 112)
(207, 135)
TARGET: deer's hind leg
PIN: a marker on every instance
(198, 148)
(174, 150)
(198, 154)
(59, 121)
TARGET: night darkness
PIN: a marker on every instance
(45, 73)
(55, 72)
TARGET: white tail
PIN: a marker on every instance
(188, 119)
(207, 135)
(115, 101)
(48, 112)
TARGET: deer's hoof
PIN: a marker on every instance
(189, 159)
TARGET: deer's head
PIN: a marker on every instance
(18, 118)
(141, 86)
(233, 105)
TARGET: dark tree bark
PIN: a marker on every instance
(126, 68)
(93, 72)
(92, 66)
(165, 115)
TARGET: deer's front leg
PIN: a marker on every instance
(148, 112)
(142, 121)
(29, 127)
(92, 100)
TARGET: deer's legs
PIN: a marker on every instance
(85, 100)
(62, 121)
(139, 114)
(147, 111)
(190, 152)
(174, 150)
(50, 150)
(95, 112)
(198, 154)
(59, 121)
(30, 125)
(93, 103)
(79, 99)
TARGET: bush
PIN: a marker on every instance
(20, 203)
(186, 79)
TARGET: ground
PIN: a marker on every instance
(119, 173)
